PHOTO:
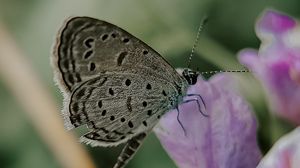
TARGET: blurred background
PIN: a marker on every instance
(28, 30)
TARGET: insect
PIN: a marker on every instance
(114, 83)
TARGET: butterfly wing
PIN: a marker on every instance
(86, 47)
(94, 60)
(118, 106)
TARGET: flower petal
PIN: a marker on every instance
(285, 153)
(277, 62)
(249, 57)
(275, 22)
(227, 138)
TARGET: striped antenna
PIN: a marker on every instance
(231, 71)
(201, 26)
(202, 23)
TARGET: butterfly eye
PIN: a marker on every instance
(190, 76)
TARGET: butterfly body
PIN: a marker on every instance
(114, 83)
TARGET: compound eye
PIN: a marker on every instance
(190, 76)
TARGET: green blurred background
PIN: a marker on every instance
(169, 26)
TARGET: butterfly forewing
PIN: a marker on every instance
(87, 47)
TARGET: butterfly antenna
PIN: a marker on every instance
(231, 71)
(202, 23)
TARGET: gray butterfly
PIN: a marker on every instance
(114, 84)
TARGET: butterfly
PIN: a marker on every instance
(114, 83)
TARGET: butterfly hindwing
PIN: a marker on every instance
(116, 107)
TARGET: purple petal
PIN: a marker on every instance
(277, 63)
(295, 72)
(249, 57)
(275, 22)
(285, 153)
(227, 138)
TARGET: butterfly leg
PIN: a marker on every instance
(199, 106)
(197, 101)
(200, 99)
(188, 101)
(129, 150)
(180, 121)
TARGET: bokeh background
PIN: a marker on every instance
(169, 26)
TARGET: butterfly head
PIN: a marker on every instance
(190, 76)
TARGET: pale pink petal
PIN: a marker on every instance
(249, 57)
(285, 153)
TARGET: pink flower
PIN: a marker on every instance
(285, 153)
(227, 138)
(277, 63)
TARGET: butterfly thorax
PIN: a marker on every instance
(177, 96)
(189, 77)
